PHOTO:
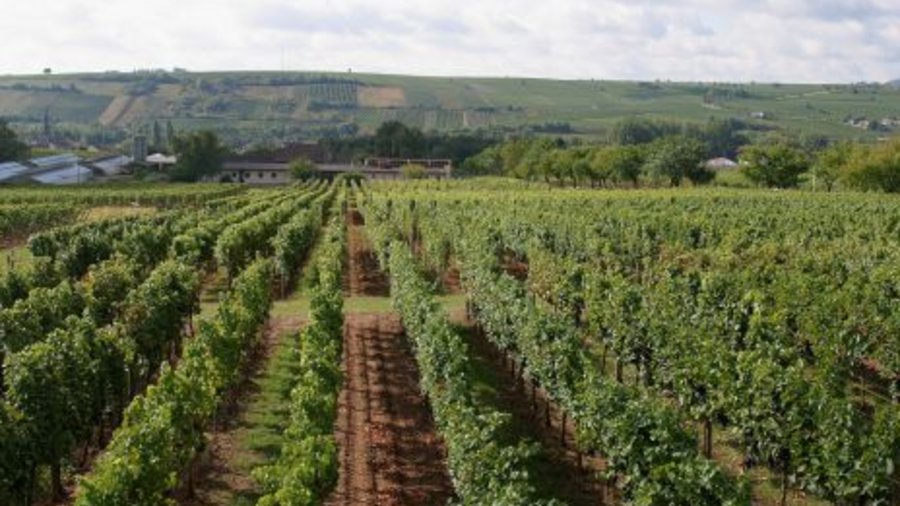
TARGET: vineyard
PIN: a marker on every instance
(478, 342)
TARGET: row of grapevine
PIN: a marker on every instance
(752, 312)
(484, 469)
(641, 440)
(767, 354)
(163, 429)
(295, 237)
(185, 399)
(240, 243)
(127, 333)
(146, 194)
(21, 220)
(307, 466)
(62, 386)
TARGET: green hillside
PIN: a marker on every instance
(249, 106)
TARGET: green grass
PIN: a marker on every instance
(489, 389)
(18, 257)
(259, 435)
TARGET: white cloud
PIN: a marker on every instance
(774, 40)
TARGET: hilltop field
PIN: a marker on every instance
(248, 106)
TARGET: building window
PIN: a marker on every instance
(259, 175)
(274, 175)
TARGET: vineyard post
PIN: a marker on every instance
(562, 437)
(547, 412)
(707, 437)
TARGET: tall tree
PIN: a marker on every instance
(678, 157)
(157, 136)
(170, 136)
(11, 148)
(776, 165)
(199, 154)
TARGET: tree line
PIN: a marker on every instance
(655, 153)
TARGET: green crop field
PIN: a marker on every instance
(313, 102)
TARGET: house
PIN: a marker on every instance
(262, 173)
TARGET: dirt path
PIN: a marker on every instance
(390, 451)
(364, 278)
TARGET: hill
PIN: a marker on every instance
(251, 106)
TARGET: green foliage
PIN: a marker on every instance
(874, 168)
(485, 470)
(163, 429)
(634, 130)
(775, 166)
(673, 159)
(199, 155)
(307, 466)
(829, 163)
(393, 139)
(11, 148)
(302, 169)
(413, 171)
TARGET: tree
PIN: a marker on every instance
(199, 155)
(302, 169)
(631, 131)
(487, 162)
(829, 163)
(775, 166)
(678, 157)
(11, 148)
(157, 136)
(874, 168)
(413, 171)
(618, 163)
(170, 136)
(395, 140)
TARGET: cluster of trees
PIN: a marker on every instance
(637, 149)
(874, 167)
(394, 139)
(663, 153)
(667, 160)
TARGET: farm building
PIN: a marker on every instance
(269, 173)
(112, 165)
(10, 171)
(59, 170)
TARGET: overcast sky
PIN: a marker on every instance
(725, 40)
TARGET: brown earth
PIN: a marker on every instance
(364, 277)
(390, 451)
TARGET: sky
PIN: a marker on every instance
(689, 40)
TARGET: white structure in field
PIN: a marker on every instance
(721, 164)
(10, 171)
(113, 165)
(59, 170)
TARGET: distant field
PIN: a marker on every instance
(312, 102)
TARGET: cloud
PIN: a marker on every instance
(768, 40)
